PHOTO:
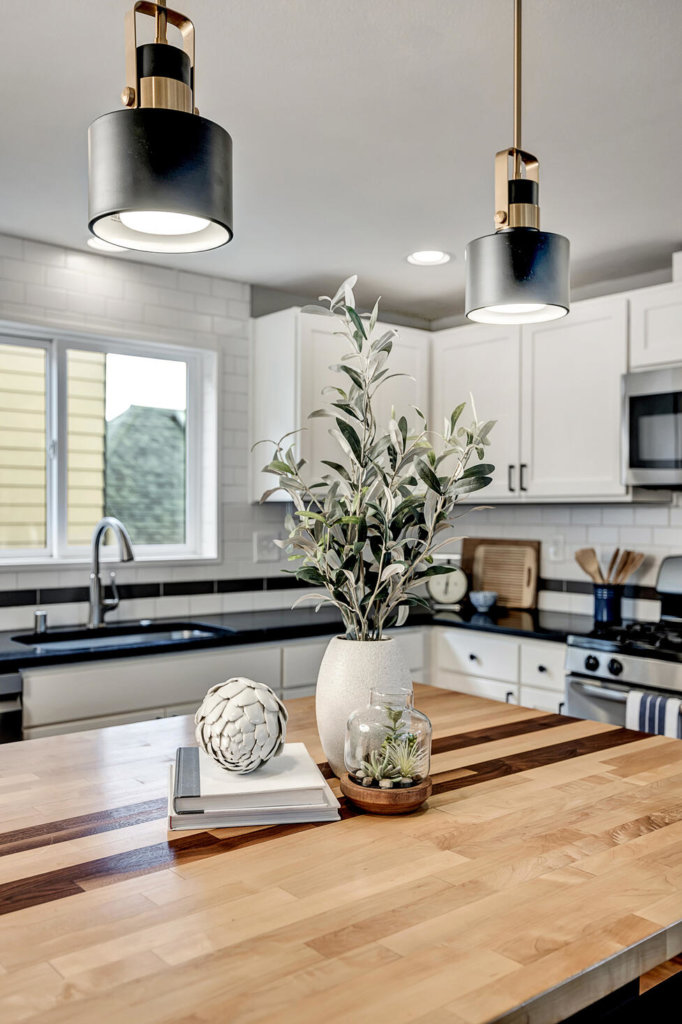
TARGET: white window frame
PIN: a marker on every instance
(202, 466)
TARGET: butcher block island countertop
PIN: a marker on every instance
(545, 873)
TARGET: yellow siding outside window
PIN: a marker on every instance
(86, 393)
(23, 481)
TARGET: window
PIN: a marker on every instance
(91, 428)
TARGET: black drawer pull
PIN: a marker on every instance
(473, 657)
(541, 668)
(508, 696)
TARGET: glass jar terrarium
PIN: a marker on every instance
(388, 743)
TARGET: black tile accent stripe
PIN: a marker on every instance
(283, 581)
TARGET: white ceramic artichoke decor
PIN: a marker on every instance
(241, 724)
(349, 670)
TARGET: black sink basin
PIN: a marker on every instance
(131, 634)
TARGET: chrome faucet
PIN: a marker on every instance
(100, 605)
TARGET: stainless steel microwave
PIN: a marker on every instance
(652, 428)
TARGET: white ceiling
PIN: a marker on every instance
(365, 129)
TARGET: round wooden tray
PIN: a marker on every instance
(386, 801)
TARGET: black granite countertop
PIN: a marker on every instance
(258, 627)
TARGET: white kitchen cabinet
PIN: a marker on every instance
(541, 700)
(656, 325)
(88, 690)
(291, 353)
(507, 668)
(571, 403)
(300, 665)
(492, 689)
(475, 653)
(543, 664)
(100, 722)
(554, 389)
(485, 362)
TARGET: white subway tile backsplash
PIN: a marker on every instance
(615, 516)
(651, 515)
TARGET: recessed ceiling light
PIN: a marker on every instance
(429, 258)
(99, 243)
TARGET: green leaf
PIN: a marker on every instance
(338, 468)
(351, 437)
(350, 372)
(357, 322)
(473, 483)
(456, 413)
(309, 574)
(481, 469)
(427, 475)
(278, 467)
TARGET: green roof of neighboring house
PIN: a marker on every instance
(145, 474)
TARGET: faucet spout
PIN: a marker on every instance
(99, 605)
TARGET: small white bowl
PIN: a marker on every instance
(483, 600)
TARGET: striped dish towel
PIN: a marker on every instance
(651, 712)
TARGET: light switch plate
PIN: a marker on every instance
(264, 547)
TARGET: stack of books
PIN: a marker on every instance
(289, 788)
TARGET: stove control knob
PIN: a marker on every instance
(615, 667)
(591, 663)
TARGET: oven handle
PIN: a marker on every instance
(618, 696)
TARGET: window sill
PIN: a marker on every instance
(60, 564)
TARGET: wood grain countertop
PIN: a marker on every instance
(545, 872)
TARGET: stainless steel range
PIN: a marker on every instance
(602, 666)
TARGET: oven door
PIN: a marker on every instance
(599, 702)
(652, 427)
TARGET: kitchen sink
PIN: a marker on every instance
(137, 634)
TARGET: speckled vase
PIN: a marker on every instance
(349, 670)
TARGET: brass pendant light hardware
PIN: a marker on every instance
(156, 90)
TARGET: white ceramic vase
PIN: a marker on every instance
(349, 670)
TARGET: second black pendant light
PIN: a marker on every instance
(160, 174)
(519, 274)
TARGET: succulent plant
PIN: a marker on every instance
(379, 766)
(406, 757)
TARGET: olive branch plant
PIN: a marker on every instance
(367, 531)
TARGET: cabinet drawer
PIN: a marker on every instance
(477, 687)
(301, 663)
(542, 664)
(101, 722)
(541, 700)
(478, 654)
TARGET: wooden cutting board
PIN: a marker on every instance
(509, 567)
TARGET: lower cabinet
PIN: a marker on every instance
(504, 668)
(116, 691)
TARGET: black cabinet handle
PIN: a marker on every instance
(508, 696)
(510, 477)
(473, 657)
(522, 476)
(541, 668)
(562, 705)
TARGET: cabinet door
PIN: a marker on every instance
(571, 402)
(541, 700)
(543, 664)
(507, 693)
(486, 363)
(656, 325)
(84, 724)
(476, 653)
(321, 348)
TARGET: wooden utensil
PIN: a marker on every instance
(612, 563)
(589, 563)
(620, 568)
(632, 565)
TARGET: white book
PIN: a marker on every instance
(329, 811)
(290, 779)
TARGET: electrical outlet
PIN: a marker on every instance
(264, 547)
(557, 548)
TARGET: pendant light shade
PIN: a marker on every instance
(519, 274)
(160, 175)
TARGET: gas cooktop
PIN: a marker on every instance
(648, 639)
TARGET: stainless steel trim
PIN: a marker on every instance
(620, 696)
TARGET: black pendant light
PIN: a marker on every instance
(520, 274)
(160, 175)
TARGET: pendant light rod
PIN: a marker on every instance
(517, 74)
(161, 20)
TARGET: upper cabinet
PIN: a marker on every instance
(656, 325)
(571, 402)
(484, 362)
(554, 390)
(291, 355)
